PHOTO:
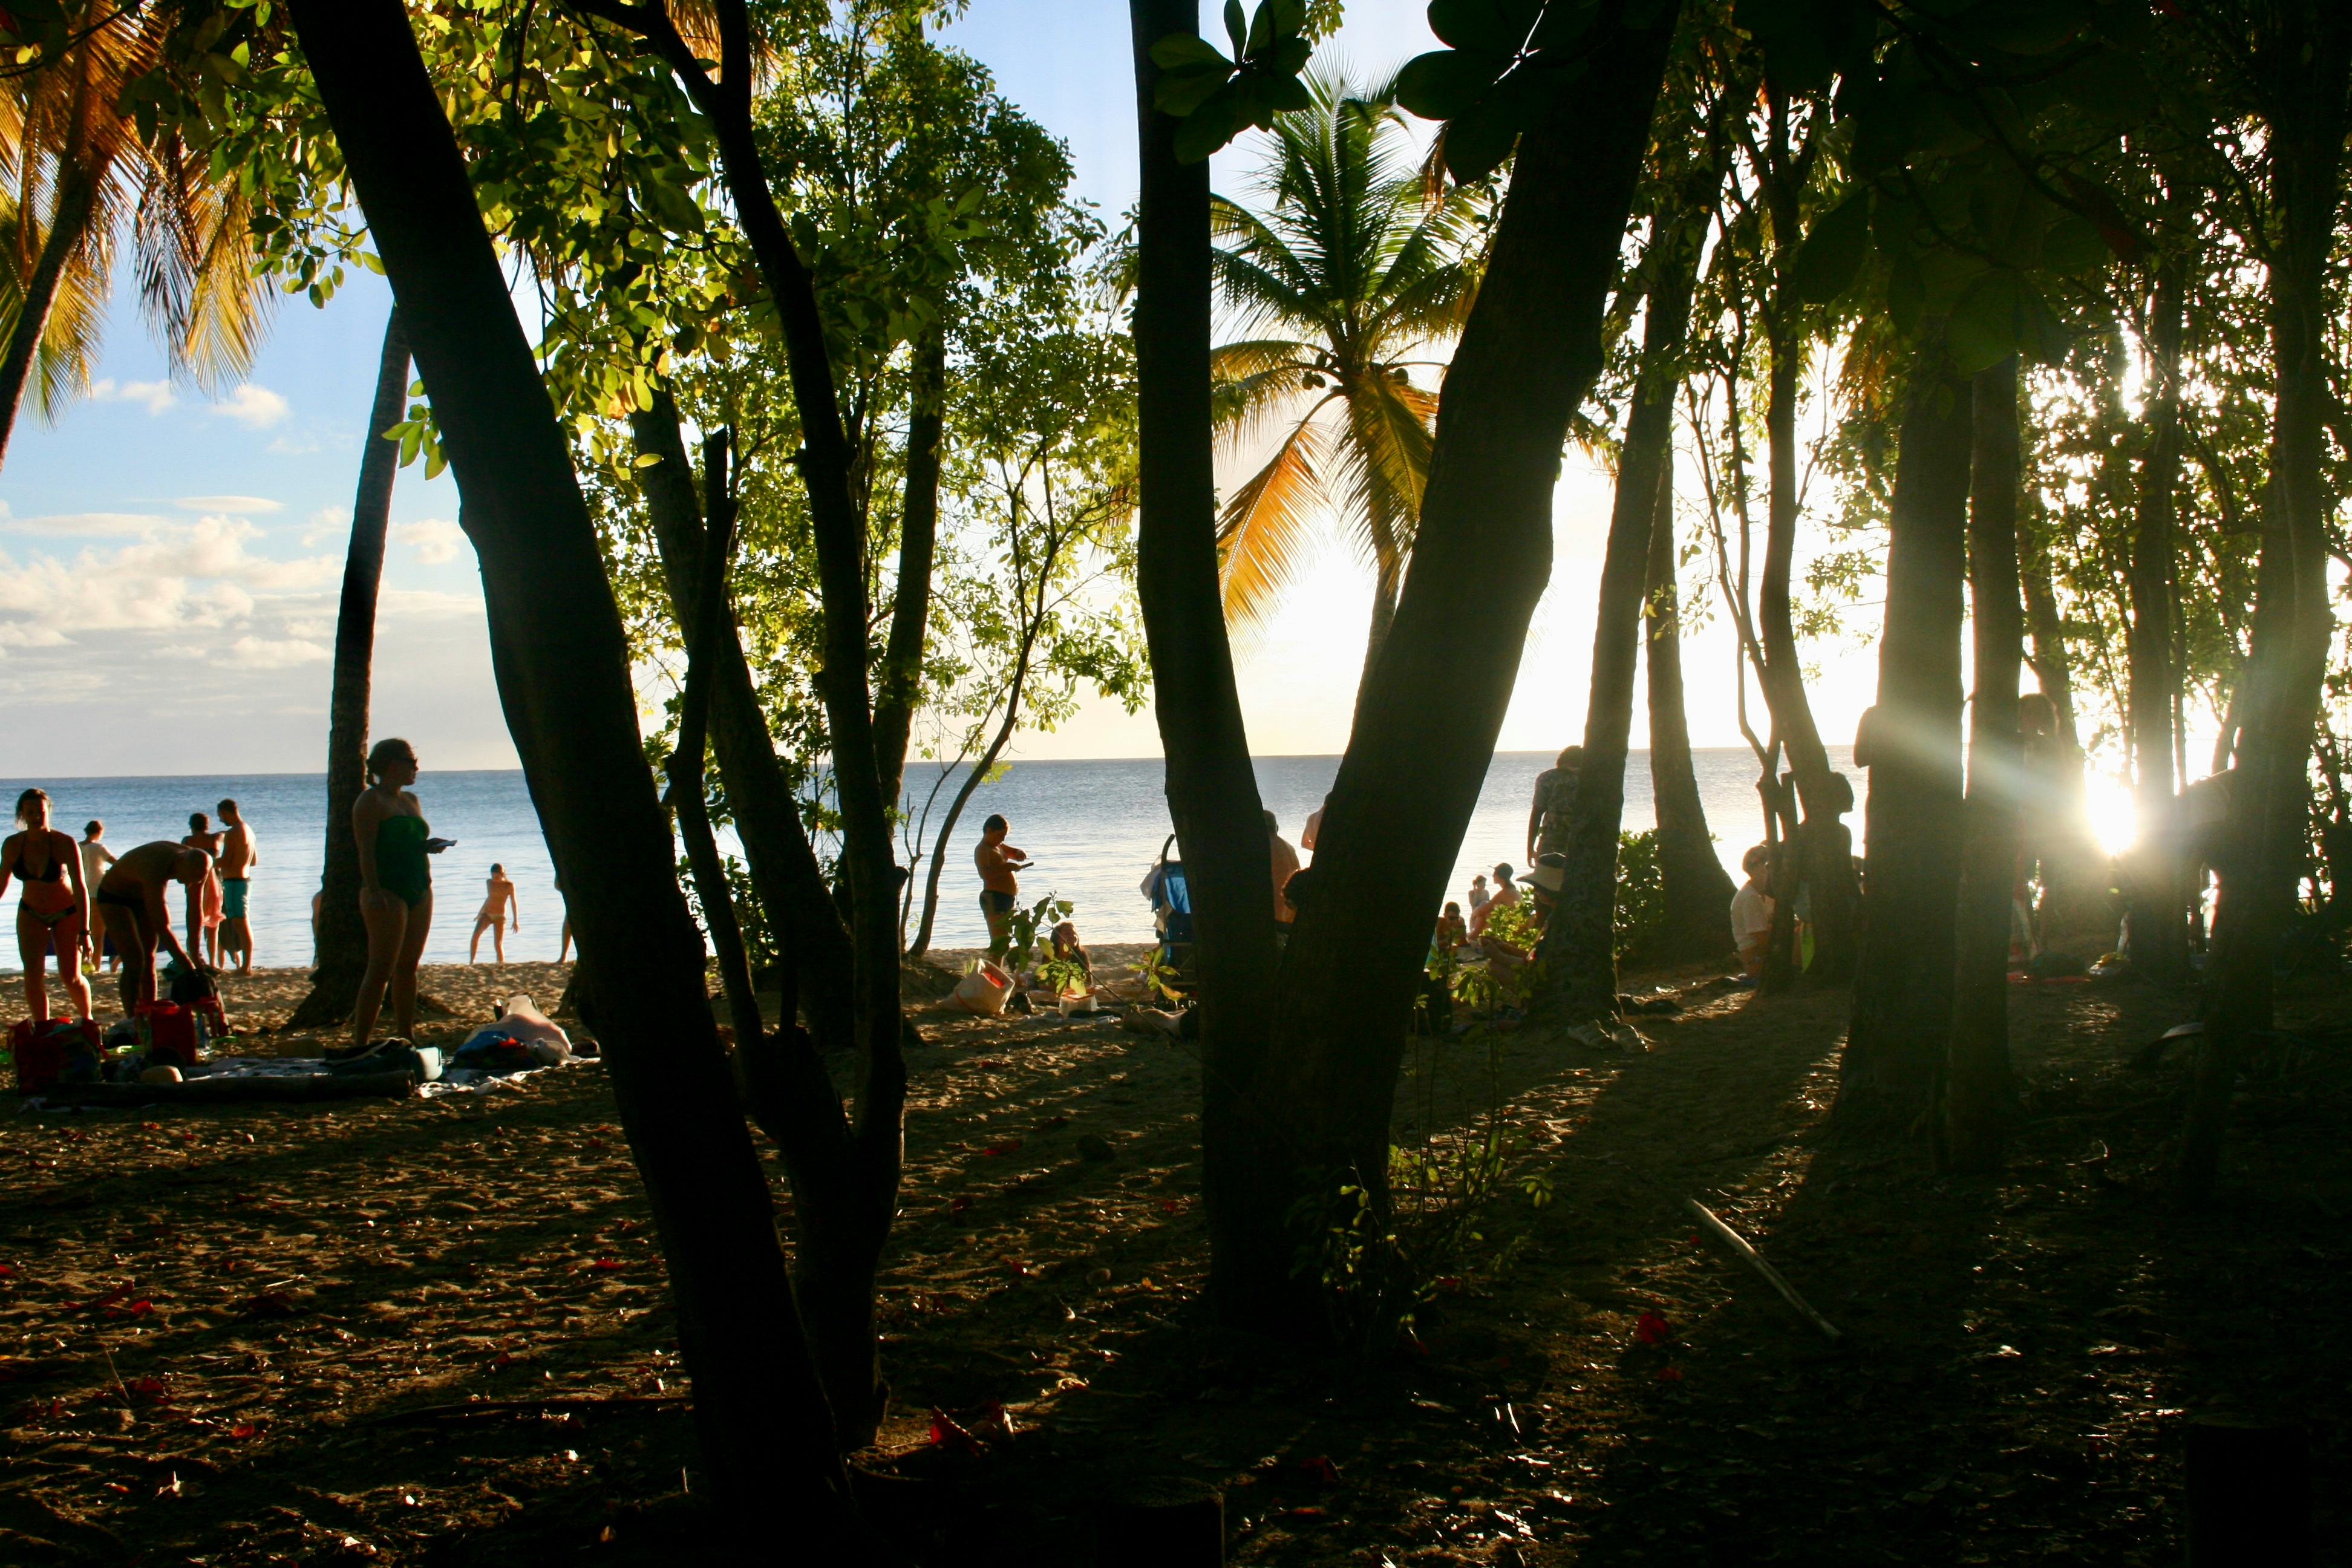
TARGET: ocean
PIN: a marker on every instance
(1092, 829)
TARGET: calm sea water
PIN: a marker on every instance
(1092, 827)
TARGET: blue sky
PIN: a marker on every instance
(169, 561)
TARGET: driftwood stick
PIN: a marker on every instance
(475, 1408)
(1772, 1275)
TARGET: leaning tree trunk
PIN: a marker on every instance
(785, 876)
(1978, 1095)
(1579, 949)
(898, 686)
(2158, 912)
(1903, 989)
(561, 662)
(1211, 788)
(1409, 780)
(341, 960)
(2308, 55)
(77, 204)
(1693, 885)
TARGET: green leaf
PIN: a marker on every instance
(2072, 248)
(1446, 82)
(1178, 50)
(1498, 26)
(1215, 122)
(1987, 324)
(2025, 27)
(1236, 29)
(2110, 85)
(1830, 257)
(1478, 142)
(646, 460)
(1181, 92)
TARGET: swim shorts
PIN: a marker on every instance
(233, 890)
(993, 902)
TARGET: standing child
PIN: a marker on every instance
(95, 859)
(499, 906)
(1751, 913)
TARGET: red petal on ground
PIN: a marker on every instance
(1651, 1329)
(605, 1264)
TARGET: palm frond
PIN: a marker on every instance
(1265, 532)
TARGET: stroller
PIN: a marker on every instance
(1171, 910)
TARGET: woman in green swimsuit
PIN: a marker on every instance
(395, 887)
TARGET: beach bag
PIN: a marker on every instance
(58, 1050)
(175, 1034)
(983, 990)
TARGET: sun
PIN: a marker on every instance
(2113, 814)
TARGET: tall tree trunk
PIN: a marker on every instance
(1911, 743)
(69, 222)
(342, 934)
(785, 874)
(1579, 946)
(561, 662)
(900, 684)
(1213, 795)
(2073, 868)
(2158, 915)
(1388, 575)
(2305, 53)
(1694, 886)
(1527, 356)
(1978, 1095)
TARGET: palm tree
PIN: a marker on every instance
(74, 174)
(1359, 261)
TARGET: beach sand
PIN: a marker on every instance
(438, 1331)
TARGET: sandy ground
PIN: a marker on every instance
(251, 1335)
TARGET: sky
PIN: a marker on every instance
(170, 559)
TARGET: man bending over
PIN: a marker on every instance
(130, 901)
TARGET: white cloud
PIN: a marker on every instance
(157, 396)
(253, 406)
(87, 524)
(235, 506)
(327, 523)
(268, 653)
(175, 577)
(435, 540)
(292, 445)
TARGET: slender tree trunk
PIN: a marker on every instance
(979, 769)
(1978, 1095)
(342, 934)
(900, 685)
(1409, 780)
(561, 662)
(1903, 989)
(785, 874)
(1693, 886)
(1211, 789)
(69, 223)
(2158, 913)
(1579, 947)
(2307, 56)
(2074, 869)
(1824, 844)
(1389, 575)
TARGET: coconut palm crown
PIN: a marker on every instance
(1356, 262)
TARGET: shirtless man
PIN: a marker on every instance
(499, 906)
(1000, 889)
(204, 899)
(130, 901)
(238, 855)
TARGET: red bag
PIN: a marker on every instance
(173, 1032)
(41, 1051)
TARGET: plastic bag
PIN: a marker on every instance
(982, 989)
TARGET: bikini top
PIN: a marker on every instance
(56, 873)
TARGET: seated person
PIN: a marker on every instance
(1066, 945)
(130, 901)
(1751, 912)
(1451, 931)
(1505, 896)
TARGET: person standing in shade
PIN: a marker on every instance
(1000, 889)
(240, 854)
(204, 899)
(1555, 796)
(95, 859)
(395, 888)
(499, 906)
(1284, 863)
(53, 914)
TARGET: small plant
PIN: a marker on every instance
(1020, 944)
(1064, 976)
(1159, 977)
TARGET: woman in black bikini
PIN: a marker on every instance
(53, 916)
